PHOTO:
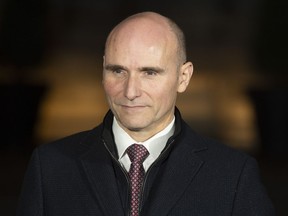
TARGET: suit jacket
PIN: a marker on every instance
(80, 175)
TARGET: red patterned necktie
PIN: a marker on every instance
(137, 154)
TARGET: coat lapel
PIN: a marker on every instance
(182, 166)
(98, 167)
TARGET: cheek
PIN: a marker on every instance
(110, 94)
(164, 94)
(110, 88)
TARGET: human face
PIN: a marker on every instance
(141, 79)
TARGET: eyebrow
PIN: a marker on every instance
(114, 67)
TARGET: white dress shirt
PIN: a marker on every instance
(154, 145)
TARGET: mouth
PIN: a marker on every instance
(133, 107)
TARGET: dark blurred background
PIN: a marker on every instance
(50, 77)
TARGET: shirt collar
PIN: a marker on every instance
(154, 145)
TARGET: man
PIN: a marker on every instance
(180, 173)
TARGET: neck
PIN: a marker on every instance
(141, 135)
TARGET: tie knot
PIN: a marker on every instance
(137, 153)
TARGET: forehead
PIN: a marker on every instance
(141, 36)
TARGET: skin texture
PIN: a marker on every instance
(143, 72)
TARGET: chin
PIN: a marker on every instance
(134, 129)
(134, 126)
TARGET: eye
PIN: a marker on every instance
(115, 69)
(118, 70)
(151, 72)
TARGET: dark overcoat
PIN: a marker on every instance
(195, 176)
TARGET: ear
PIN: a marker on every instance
(103, 65)
(103, 60)
(185, 74)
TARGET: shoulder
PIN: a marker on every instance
(215, 152)
(220, 154)
(72, 145)
(223, 151)
(231, 173)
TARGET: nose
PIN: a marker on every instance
(132, 87)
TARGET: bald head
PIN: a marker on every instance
(151, 26)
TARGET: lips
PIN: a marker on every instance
(133, 107)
